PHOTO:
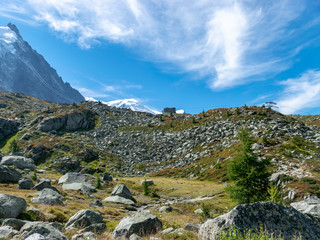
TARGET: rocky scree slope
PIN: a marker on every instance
(24, 70)
(134, 143)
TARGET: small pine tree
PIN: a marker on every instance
(194, 120)
(13, 146)
(245, 107)
(160, 118)
(171, 114)
(34, 177)
(250, 177)
(98, 181)
(171, 125)
(275, 193)
(146, 190)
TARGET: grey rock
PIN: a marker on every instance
(36, 212)
(25, 136)
(7, 232)
(292, 195)
(9, 175)
(88, 155)
(77, 181)
(273, 217)
(142, 223)
(43, 184)
(83, 219)
(107, 177)
(198, 211)
(120, 200)
(19, 162)
(192, 227)
(11, 206)
(135, 237)
(35, 236)
(49, 197)
(43, 229)
(96, 203)
(14, 223)
(310, 206)
(167, 231)
(97, 228)
(122, 191)
(165, 209)
(85, 236)
(25, 183)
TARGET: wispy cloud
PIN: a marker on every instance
(300, 93)
(92, 93)
(229, 42)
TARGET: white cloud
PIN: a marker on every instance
(230, 42)
(300, 93)
(91, 93)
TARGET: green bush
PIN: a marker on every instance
(13, 147)
(146, 190)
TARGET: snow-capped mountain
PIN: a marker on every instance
(131, 103)
(23, 70)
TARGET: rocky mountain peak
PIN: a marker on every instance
(23, 70)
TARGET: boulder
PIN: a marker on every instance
(43, 229)
(49, 197)
(7, 232)
(135, 237)
(14, 223)
(88, 155)
(9, 175)
(96, 203)
(277, 219)
(19, 162)
(107, 177)
(11, 206)
(84, 218)
(122, 191)
(310, 206)
(25, 183)
(142, 223)
(165, 209)
(77, 181)
(192, 227)
(119, 200)
(43, 184)
(85, 236)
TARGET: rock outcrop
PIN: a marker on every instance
(84, 219)
(72, 121)
(49, 197)
(7, 127)
(276, 219)
(19, 162)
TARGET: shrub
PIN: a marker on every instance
(34, 176)
(205, 212)
(275, 194)
(98, 181)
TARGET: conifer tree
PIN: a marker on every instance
(249, 175)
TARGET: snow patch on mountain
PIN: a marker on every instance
(131, 103)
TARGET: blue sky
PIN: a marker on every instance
(193, 55)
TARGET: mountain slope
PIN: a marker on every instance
(23, 70)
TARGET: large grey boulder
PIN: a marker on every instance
(9, 175)
(77, 181)
(310, 206)
(273, 217)
(49, 197)
(11, 206)
(141, 223)
(19, 162)
(84, 218)
(42, 230)
(122, 191)
(119, 200)
(25, 183)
